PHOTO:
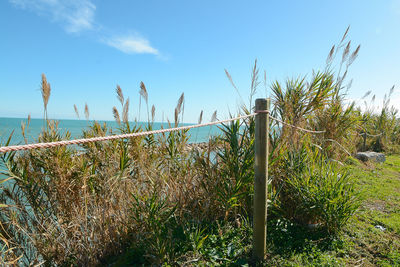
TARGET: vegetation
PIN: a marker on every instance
(152, 201)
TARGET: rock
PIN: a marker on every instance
(370, 155)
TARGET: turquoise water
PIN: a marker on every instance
(75, 127)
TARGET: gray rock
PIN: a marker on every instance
(370, 155)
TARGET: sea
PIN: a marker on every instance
(75, 128)
(12, 126)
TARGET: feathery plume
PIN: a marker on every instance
(330, 55)
(153, 113)
(143, 91)
(391, 91)
(46, 90)
(214, 116)
(120, 95)
(176, 116)
(29, 119)
(116, 115)
(125, 112)
(180, 102)
(86, 111)
(346, 52)
(349, 84)
(345, 34)
(76, 111)
(353, 56)
(200, 117)
(230, 79)
(23, 129)
(366, 94)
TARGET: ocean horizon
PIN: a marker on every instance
(76, 127)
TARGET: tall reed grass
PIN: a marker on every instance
(155, 199)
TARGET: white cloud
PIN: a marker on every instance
(74, 15)
(79, 15)
(132, 45)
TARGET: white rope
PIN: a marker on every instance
(113, 137)
(299, 128)
(122, 136)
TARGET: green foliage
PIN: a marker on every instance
(159, 231)
(316, 191)
(236, 160)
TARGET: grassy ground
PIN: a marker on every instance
(372, 237)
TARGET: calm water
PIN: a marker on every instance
(75, 127)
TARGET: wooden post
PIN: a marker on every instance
(365, 141)
(260, 179)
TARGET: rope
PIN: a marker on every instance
(299, 128)
(342, 147)
(123, 136)
(113, 137)
(370, 135)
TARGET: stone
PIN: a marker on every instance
(370, 155)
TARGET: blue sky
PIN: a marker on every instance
(87, 47)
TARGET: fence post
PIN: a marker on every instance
(364, 141)
(260, 179)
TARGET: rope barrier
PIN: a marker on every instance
(370, 135)
(123, 136)
(342, 147)
(302, 129)
(113, 137)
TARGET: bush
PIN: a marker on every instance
(316, 192)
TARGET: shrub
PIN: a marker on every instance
(316, 191)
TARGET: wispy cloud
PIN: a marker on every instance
(74, 15)
(132, 45)
(79, 15)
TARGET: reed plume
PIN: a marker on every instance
(86, 111)
(176, 116)
(153, 113)
(116, 115)
(143, 93)
(329, 59)
(200, 117)
(29, 119)
(76, 111)
(125, 111)
(354, 55)
(346, 52)
(120, 95)
(345, 34)
(234, 86)
(180, 106)
(46, 90)
(214, 116)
